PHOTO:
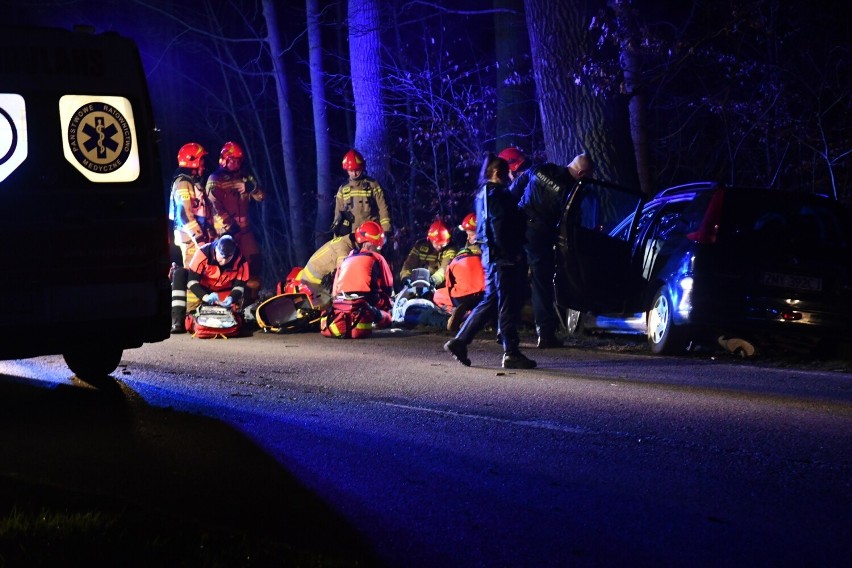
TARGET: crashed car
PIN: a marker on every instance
(706, 263)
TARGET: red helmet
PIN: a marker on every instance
(370, 232)
(190, 154)
(514, 157)
(438, 234)
(231, 150)
(354, 161)
(469, 222)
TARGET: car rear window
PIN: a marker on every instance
(776, 216)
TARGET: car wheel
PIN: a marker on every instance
(574, 322)
(664, 338)
(93, 364)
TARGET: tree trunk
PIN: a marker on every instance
(573, 119)
(631, 64)
(371, 136)
(515, 98)
(288, 137)
(325, 183)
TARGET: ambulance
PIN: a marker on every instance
(83, 234)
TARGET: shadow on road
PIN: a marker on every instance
(73, 448)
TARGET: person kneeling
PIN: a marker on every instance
(362, 289)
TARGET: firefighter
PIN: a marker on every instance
(433, 253)
(360, 199)
(542, 203)
(232, 189)
(216, 268)
(465, 278)
(318, 273)
(519, 170)
(362, 289)
(189, 206)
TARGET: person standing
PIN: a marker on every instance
(542, 202)
(232, 189)
(359, 199)
(189, 206)
(499, 225)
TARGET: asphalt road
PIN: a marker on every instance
(386, 451)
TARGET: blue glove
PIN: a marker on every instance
(210, 298)
(227, 302)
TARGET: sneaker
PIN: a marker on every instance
(458, 350)
(549, 341)
(456, 318)
(517, 361)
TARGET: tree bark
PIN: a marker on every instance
(515, 125)
(325, 183)
(371, 136)
(573, 119)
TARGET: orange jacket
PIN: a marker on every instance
(465, 274)
(365, 273)
(205, 274)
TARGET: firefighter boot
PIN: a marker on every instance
(178, 320)
(179, 278)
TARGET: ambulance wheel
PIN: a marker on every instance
(93, 363)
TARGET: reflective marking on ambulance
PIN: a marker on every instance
(13, 133)
(99, 135)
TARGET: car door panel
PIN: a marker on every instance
(594, 271)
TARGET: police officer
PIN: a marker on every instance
(499, 226)
(542, 202)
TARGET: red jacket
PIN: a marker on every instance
(205, 274)
(465, 274)
(365, 273)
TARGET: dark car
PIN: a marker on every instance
(703, 261)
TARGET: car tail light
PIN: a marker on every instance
(709, 228)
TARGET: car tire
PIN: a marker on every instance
(664, 337)
(93, 364)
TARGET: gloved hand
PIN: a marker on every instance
(210, 298)
(406, 282)
(227, 302)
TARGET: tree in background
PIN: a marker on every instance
(572, 119)
(322, 134)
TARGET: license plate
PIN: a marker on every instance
(791, 281)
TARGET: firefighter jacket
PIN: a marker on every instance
(190, 210)
(326, 260)
(424, 255)
(231, 193)
(205, 274)
(465, 274)
(544, 196)
(365, 273)
(365, 200)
